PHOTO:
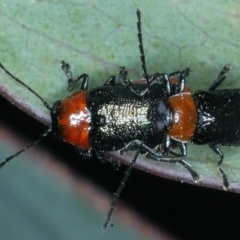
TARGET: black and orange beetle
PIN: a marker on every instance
(153, 117)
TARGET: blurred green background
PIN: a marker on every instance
(35, 204)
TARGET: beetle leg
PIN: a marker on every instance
(152, 80)
(154, 152)
(165, 78)
(122, 77)
(133, 145)
(110, 82)
(139, 93)
(174, 145)
(181, 83)
(195, 176)
(216, 149)
(66, 69)
(220, 78)
(182, 147)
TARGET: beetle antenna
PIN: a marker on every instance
(45, 134)
(119, 190)
(142, 54)
(121, 186)
(26, 86)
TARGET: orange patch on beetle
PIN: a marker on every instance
(184, 116)
(74, 120)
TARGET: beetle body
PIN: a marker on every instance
(109, 117)
(218, 117)
(206, 117)
(120, 116)
(183, 117)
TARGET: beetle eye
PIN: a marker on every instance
(161, 108)
(160, 125)
(161, 116)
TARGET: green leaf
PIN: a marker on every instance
(97, 37)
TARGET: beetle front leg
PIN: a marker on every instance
(66, 69)
(122, 77)
(182, 79)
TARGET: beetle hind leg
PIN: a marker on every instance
(220, 78)
(195, 176)
(216, 149)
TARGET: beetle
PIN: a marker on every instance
(203, 117)
(120, 115)
(160, 114)
(206, 117)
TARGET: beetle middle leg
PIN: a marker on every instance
(174, 145)
(169, 149)
(156, 156)
(169, 145)
(181, 146)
